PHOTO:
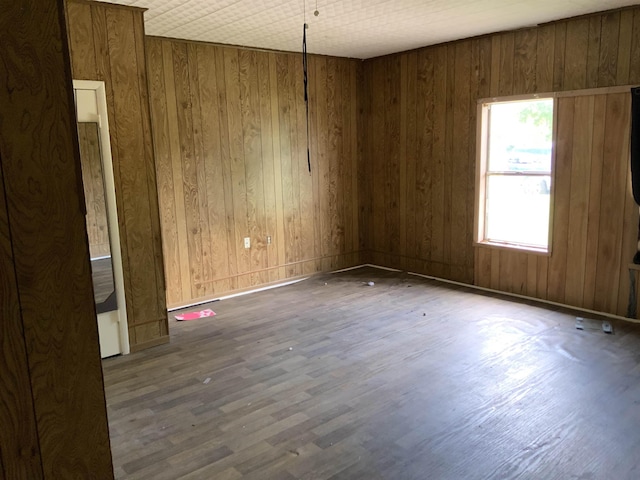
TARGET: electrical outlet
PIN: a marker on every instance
(247, 242)
(268, 239)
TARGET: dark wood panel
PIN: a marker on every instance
(48, 277)
(609, 49)
(634, 67)
(20, 452)
(545, 57)
(242, 172)
(524, 67)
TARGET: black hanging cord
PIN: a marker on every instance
(306, 87)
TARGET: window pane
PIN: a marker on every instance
(517, 209)
(520, 136)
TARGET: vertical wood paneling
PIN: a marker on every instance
(410, 160)
(634, 67)
(107, 43)
(444, 269)
(225, 155)
(438, 159)
(624, 47)
(609, 49)
(353, 136)
(579, 199)
(593, 52)
(306, 179)
(20, 453)
(392, 154)
(185, 165)
(275, 125)
(236, 162)
(561, 197)
(436, 215)
(460, 185)
(365, 161)
(201, 178)
(612, 202)
(524, 63)
(425, 166)
(214, 189)
(79, 20)
(298, 145)
(595, 192)
(628, 241)
(377, 160)
(314, 179)
(173, 169)
(157, 312)
(560, 55)
(404, 130)
(53, 418)
(545, 57)
(575, 67)
(230, 131)
(507, 60)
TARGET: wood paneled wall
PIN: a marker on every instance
(595, 221)
(19, 449)
(53, 418)
(420, 141)
(107, 43)
(92, 180)
(230, 140)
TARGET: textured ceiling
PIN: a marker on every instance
(351, 28)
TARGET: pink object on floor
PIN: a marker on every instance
(195, 315)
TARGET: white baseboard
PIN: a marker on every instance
(429, 277)
(237, 294)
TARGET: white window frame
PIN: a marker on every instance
(482, 158)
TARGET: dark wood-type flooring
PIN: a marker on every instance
(102, 274)
(407, 379)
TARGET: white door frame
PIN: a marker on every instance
(110, 196)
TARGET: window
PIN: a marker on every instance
(514, 174)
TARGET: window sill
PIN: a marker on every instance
(514, 247)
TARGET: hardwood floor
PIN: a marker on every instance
(407, 379)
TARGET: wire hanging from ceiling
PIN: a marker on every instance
(305, 65)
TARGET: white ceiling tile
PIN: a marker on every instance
(357, 28)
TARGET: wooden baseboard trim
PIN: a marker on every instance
(151, 343)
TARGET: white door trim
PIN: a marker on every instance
(112, 210)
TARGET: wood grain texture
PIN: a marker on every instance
(107, 43)
(597, 51)
(50, 320)
(230, 132)
(92, 180)
(409, 379)
(595, 223)
(19, 452)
